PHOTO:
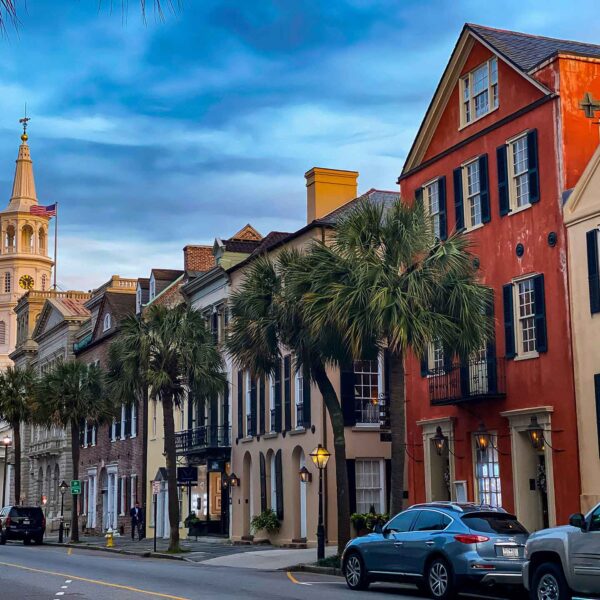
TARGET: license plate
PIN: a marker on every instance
(510, 552)
(25, 521)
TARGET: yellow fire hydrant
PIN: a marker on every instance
(109, 539)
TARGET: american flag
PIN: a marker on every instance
(43, 211)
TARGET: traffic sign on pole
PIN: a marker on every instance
(75, 486)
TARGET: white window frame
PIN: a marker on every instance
(434, 351)
(123, 499)
(85, 434)
(123, 417)
(113, 431)
(518, 330)
(492, 458)
(107, 323)
(133, 415)
(466, 83)
(94, 433)
(434, 216)
(381, 463)
(271, 402)
(379, 361)
(513, 175)
(467, 196)
(298, 396)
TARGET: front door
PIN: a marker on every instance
(585, 554)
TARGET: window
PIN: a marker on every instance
(430, 520)
(42, 241)
(479, 93)
(526, 316)
(107, 322)
(593, 263)
(369, 486)
(27, 238)
(152, 287)
(113, 431)
(519, 169)
(432, 205)
(272, 389)
(436, 360)
(44, 282)
(7, 282)
(402, 522)
(10, 238)
(299, 393)
(487, 473)
(123, 421)
(496, 523)
(134, 420)
(2, 332)
(473, 196)
(366, 391)
(248, 403)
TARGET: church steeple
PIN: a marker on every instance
(23, 191)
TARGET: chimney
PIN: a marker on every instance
(198, 258)
(328, 189)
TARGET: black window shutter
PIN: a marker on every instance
(279, 484)
(503, 196)
(597, 390)
(351, 465)
(226, 406)
(593, 270)
(533, 171)
(490, 351)
(484, 189)
(347, 394)
(82, 426)
(110, 431)
(287, 390)
(263, 483)
(278, 396)
(458, 199)
(214, 415)
(262, 408)
(253, 412)
(306, 416)
(509, 321)
(419, 195)
(240, 406)
(442, 207)
(541, 337)
(425, 365)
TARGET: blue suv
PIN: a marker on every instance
(442, 547)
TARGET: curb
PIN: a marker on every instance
(145, 554)
(314, 569)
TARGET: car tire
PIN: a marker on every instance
(355, 572)
(39, 540)
(439, 579)
(26, 541)
(549, 583)
(2, 540)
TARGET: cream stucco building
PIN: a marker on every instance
(582, 218)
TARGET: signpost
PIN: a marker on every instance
(75, 487)
(155, 492)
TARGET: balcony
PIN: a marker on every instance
(468, 381)
(202, 438)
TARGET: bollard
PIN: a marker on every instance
(109, 539)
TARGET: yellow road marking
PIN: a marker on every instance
(70, 551)
(291, 578)
(96, 582)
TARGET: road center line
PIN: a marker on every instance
(95, 581)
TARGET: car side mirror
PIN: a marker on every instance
(577, 520)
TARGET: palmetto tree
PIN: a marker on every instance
(385, 275)
(17, 392)
(266, 317)
(171, 351)
(70, 394)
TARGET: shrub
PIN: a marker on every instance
(366, 522)
(191, 520)
(267, 520)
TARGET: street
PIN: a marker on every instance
(33, 573)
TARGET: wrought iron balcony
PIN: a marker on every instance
(468, 381)
(203, 438)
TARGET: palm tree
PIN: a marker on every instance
(17, 390)
(385, 275)
(267, 316)
(71, 394)
(172, 353)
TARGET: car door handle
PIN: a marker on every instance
(429, 543)
(398, 543)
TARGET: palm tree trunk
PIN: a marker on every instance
(75, 459)
(339, 445)
(398, 431)
(16, 427)
(171, 461)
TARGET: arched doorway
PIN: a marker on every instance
(248, 510)
(299, 502)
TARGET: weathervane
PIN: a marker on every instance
(590, 106)
(24, 122)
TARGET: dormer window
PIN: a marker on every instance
(479, 92)
(138, 300)
(107, 322)
(152, 287)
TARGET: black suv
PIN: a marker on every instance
(25, 523)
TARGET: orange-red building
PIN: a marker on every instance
(502, 141)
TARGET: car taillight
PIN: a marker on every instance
(471, 539)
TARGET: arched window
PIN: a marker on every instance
(7, 282)
(107, 322)
(27, 238)
(44, 281)
(41, 241)
(10, 239)
(2, 332)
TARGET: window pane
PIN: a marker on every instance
(403, 521)
(526, 315)
(368, 486)
(487, 471)
(366, 391)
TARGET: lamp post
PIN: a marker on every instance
(63, 487)
(6, 442)
(320, 456)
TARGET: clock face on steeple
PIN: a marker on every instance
(26, 282)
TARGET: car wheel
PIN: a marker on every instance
(355, 572)
(39, 540)
(440, 581)
(549, 583)
(26, 541)
(2, 540)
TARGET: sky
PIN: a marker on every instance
(156, 135)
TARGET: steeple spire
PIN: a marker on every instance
(23, 193)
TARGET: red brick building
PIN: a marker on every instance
(503, 139)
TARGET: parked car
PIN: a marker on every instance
(442, 547)
(25, 523)
(563, 561)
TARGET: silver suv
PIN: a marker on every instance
(563, 561)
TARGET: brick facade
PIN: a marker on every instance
(198, 258)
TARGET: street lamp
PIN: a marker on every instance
(6, 442)
(63, 487)
(305, 475)
(439, 441)
(234, 480)
(320, 456)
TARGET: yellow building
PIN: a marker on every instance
(582, 218)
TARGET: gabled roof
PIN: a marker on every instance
(144, 282)
(166, 274)
(69, 309)
(119, 306)
(243, 246)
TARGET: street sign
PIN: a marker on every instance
(75, 486)
(156, 488)
(187, 475)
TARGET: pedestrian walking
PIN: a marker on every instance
(137, 520)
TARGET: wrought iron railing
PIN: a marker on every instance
(468, 380)
(201, 438)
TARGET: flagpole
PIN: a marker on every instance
(55, 243)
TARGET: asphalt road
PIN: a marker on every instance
(51, 573)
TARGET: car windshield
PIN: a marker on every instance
(494, 523)
(22, 511)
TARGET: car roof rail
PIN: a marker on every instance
(439, 504)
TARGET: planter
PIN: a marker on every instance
(198, 529)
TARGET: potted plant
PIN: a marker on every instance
(195, 526)
(266, 521)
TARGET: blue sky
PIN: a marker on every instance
(156, 136)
